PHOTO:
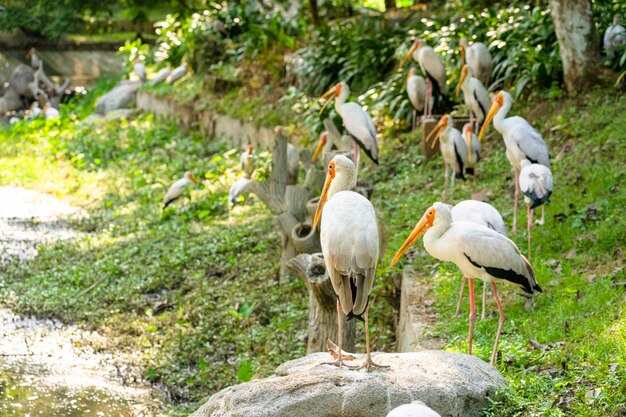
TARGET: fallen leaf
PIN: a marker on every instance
(480, 196)
(552, 262)
(570, 254)
(333, 349)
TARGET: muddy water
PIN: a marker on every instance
(48, 368)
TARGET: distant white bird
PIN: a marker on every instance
(416, 90)
(247, 161)
(480, 213)
(331, 140)
(473, 150)
(521, 140)
(177, 189)
(178, 73)
(432, 66)
(162, 75)
(535, 182)
(140, 70)
(475, 96)
(33, 111)
(478, 251)
(50, 112)
(478, 58)
(13, 120)
(452, 147)
(35, 61)
(239, 188)
(414, 409)
(615, 36)
(356, 121)
(349, 239)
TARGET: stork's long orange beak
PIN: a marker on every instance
(411, 50)
(422, 226)
(437, 131)
(193, 179)
(320, 146)
(495, 106)
(324, 197)
(463, 77)
(333, 92)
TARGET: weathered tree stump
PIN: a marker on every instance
(322, 304)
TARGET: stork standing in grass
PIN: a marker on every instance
(478, 58)
(432, 66)
(177, 189)
(349, 239)
(479, 252)
(452, 147)
(416, 90)
(535, 182)
(480, 213)
(475, 96)
(521, 140)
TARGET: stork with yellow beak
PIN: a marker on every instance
(177, 189)
(521, 140)
(416, 90)
(473, 150)
(475, 96)
(452, 146)
(357, 122)
(478, 58)
(478, 251)
(432, 66)
(349, 239)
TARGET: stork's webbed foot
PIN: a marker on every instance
(369, 364)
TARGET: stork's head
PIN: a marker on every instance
(190, 177)
(249, 148)
(332, 93)
(442, 125)
(498, 101)
(339, 177)
(465, 72)
(278, 131)
(320, 145)
(425, 223)
(416, 45)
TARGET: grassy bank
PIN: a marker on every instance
(196, 289)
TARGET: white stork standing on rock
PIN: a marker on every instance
(521, 140)
(478, 58)
(349, 239)
(177, 189)
(416, 90)
(535, 182)
(475, 96)
(480, 213)
(357, 122)
(478, 251)
(452, 147)
(432, 66)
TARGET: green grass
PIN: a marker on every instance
(229, 314)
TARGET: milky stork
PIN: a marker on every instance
(614, 37)
(247, 161)
(478, 251)
(473, 150)
(480, 213)
(177, 189)
(432, 66)
(357, 122)
(161, 75)
(521, 140)
(535, 182)
(475, 96)
(50, 112)
(452, 147)
(238, 189)
(478, 58)
(349, 239)
(416, 90)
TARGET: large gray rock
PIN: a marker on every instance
(452, 384)
(119, 97)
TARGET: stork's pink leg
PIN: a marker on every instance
(458, 304)
(542, 221)
(413, 119)
(339, 361)
(369, 363)
(514, 228)
(529, 223)
(472, 314)
(482, 313)
(500, 323)
(427, 104)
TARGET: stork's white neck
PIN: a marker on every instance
(432, 238)
(498, 119)
(342, 182)
(341, 99)
(445, 134)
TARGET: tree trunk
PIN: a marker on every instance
(390, 5)
(322, 304)
(573, 25)
(314, 13)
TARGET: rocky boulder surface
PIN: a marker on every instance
(120, 97)
(452, 384)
